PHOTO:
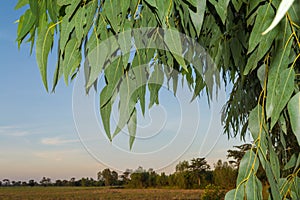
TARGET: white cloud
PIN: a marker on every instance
(14, 131)
(57, 141)
(56, 155)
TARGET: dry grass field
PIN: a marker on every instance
(47, 193)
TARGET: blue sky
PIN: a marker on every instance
(58, 135)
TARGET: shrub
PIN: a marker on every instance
(213, 192)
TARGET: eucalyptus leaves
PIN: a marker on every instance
(264, 69)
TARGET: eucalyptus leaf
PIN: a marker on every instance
(132, 127)
(294, 113)
(43, 46)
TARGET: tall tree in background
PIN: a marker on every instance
(263, 69)
(224, 175)
(237, 155)
(198, 167)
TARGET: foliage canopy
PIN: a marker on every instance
(263, 69)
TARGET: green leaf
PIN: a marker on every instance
(173, 41)
(237, 4)
(72, 58)
(253, 4)
(26, 24)
(140, 72)
(275, 166)
(124, 7)
(63, 2)
(155, 82)
(65, 32)
(128, 100)
(105, 111)
(198, 16)
(193, 3)
(52, 9)
(21, 3)
(284, 91)
(124, 41)
(43, 46)
(34, 7)
(248, 165)
(264, 16)
(235, 194)
(97, 58)
(113, 74)
(72, 8)
(294, 114)
(110, 9)
(221, 8)
(132, 127)
(152, 3)
(281, 11)
(254, 188)
(279, 63)
(273, 182)
(294, 12)
(264, 45)
(80, 22)
(255, 122)
(291, 163)
(162, 11)
(261, 75)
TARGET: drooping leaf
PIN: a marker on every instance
(237, 4)
(256, 118)
(52, 9)
(132, 127)
(28, 20)
(155, 83)
(34, 7)
(109, 10)
(128, 100)
(80, 22)
(265, 15)
(72, 58)
(279, 62)
(221, 8)
(65, 32)
(113, 74)
(173, 41)
(254, 188)
(282, 9)
(140, 72)
(21, 3)
(97, 58)
(294, 114)
(198, 16)
(105, 111)
(162, 12)
(124, 41)
(291, 163)
(152, 3)
(284, 92)
(248, 165)
(43, 46)
(235, 194)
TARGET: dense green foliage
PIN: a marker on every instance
(263, 69)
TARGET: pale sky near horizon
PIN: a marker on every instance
(58, 135)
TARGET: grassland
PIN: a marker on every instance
(60, 193)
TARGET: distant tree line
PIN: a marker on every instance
(193, 174)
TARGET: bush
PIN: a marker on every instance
(213, 192)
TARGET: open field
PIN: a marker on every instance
(95, 193)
